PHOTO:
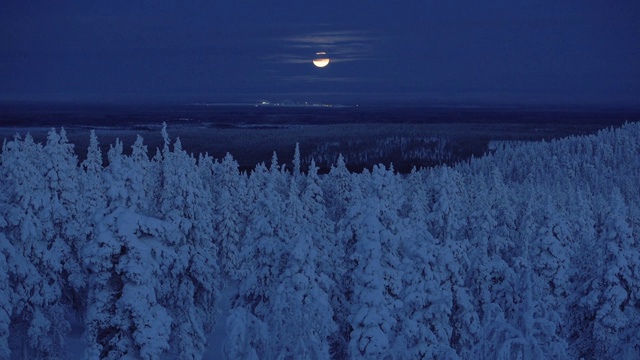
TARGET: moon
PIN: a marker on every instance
(321, 61)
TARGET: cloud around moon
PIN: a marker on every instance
(339, 46)
(321, 60)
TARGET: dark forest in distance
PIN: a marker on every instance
(126, 115)
(252, 133)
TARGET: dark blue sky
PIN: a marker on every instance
(523, 51)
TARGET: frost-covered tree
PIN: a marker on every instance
(446, 222)
(426, 297)
(123, 187)
(229, 210)
(519, 254)
(32, 217)
(247, 336)
(612, 300)
(192, 290)
(296, 162)
(374, 301)
(445, 217)
(7, 292)
(300, 313)
(93, 189)
(67, 219)
(265, 252)
(338, 186)
(126, 259)
(530, 333)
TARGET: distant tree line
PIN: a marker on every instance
(404, 152)
(526, 253)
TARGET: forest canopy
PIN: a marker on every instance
(528, 252)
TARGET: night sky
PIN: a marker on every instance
(513, 51)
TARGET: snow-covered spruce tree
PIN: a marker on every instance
(93, 188)
(528, 322)
(300, 315)
(338, 187)
(385, 188)
(31, 216)
(7, 291)
(247, 336)
(492, 224)
(278, 175)
(149, 174)
(264, 253)
(530, 333)
(551, 255)
(124, 187)
(447, 221)
(322, 231)
(315, 211)
(330, 263)
(426, 296)
(296, 163)
(586, 262)
(486, 274)
(266, 247)
(228, 210)
(349, 187)
(374, 303)
(191, 291)
(126, 260)
(63, 179)
(17, 275)
(126, 257)
(613, 300)
(445, 217)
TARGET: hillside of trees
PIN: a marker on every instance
(529, 252)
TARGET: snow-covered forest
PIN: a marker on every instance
(529, 252)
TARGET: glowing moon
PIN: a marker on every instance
(321, 61)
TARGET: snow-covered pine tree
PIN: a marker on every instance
(229, 209)
(348, 192)
(321, 229)
(93, 190)
(126, 259)
(63, 179)
(278, 175)
(529, 321)
(613, 294)
(264, 252)
(7, 291)
(192, 291)
(123, 189)
(247, 336)
(426, 296)
(148, 171)
(38, 326)
(296, 162)
(330, 264)
(533, 330)
(447, 221)
(300, 314)
(374, 302)
(337, 186)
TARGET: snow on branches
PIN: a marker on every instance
(529, 252)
